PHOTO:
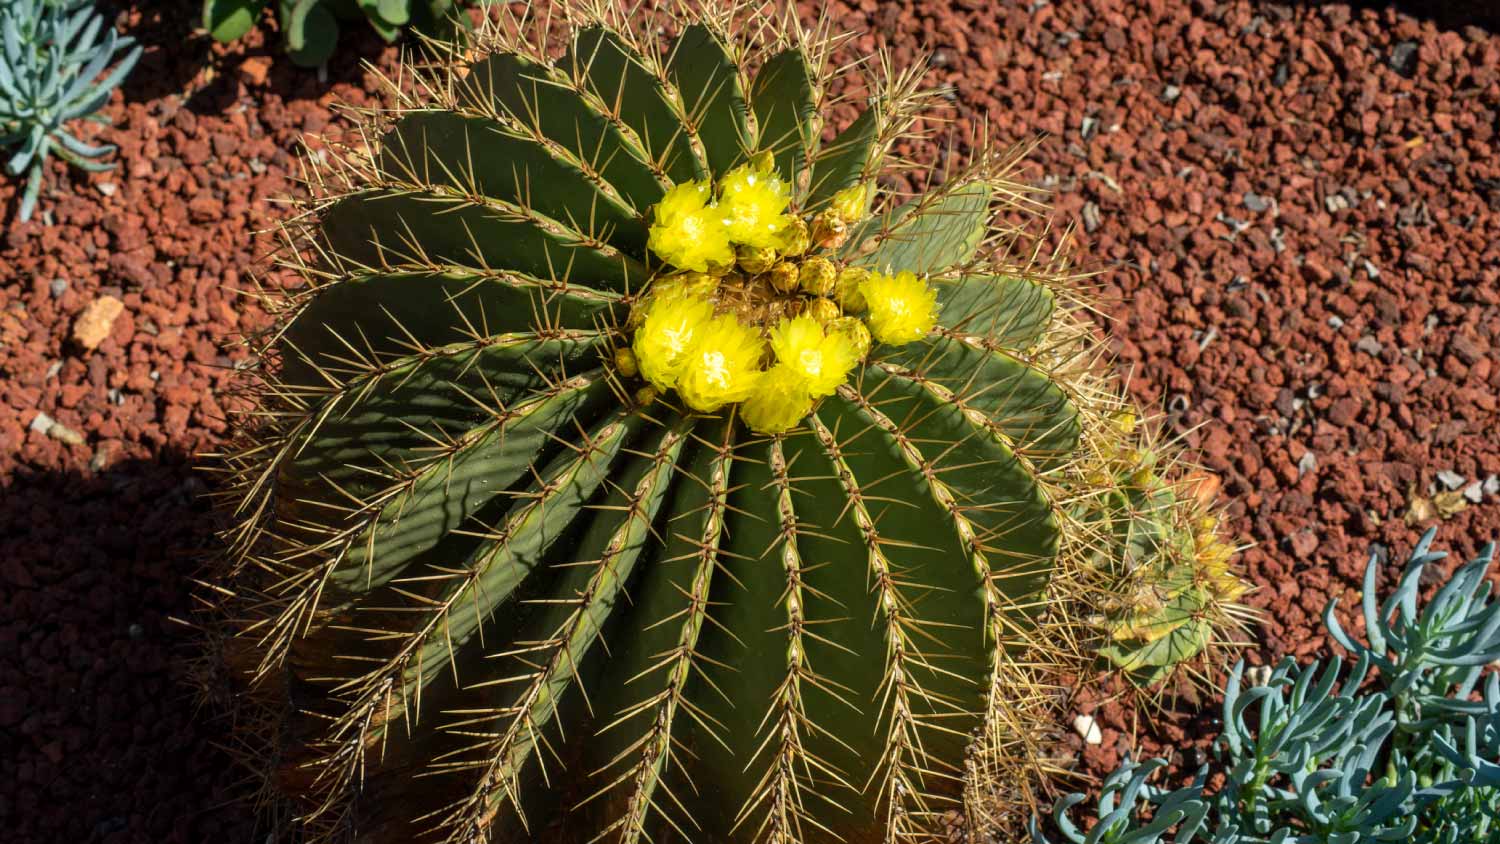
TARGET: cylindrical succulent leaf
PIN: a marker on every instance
(510, 591)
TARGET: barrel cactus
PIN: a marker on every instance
(637, 463)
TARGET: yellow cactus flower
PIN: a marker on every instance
(753, 202)
(849, 203)
(689, 230)
(666, 335)
(902, 307)
(779, 402)
(823, 360)
(723, 365)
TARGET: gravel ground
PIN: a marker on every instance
(1294, 206)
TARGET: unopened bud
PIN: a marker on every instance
(646, 395)
(823, 310)
(855, 330)
(850, 203)
(818, 276)
(756, 259)
(795, 239)
(784, 276)
(847, 289)
(625, 362)
(829, 231)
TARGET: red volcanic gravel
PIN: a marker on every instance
(1293, 204)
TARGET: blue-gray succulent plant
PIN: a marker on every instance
(55, 58)
(1412, 755)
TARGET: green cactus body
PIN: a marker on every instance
(509, 601)
(1172, 588)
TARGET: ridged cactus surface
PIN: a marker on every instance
(511, 591)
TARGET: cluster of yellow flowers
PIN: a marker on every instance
(739, 320)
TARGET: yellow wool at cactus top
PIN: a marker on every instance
(689, 230)
(722, 366)
(753, 204)
(664, 339)
(779, 402)
(902, 308)
(822, 360)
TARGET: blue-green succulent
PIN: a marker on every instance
(55, 58)
(1403, 746)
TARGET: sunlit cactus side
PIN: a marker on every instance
(516, 563)
(1170, 586)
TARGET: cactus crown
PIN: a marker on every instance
(638, 462)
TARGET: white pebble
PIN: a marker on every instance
(1088, 728)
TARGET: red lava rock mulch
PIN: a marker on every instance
(1296, 205)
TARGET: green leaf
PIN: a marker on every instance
(784, 100)
(1022, 402)
(476, 154)
(227, 20)
(541, 99)
(378, 315)
(851, 158)
(618, 78)
(390, 226)
(1011, 313)
(929, 235)
(708, 80)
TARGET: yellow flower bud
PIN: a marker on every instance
(902, 307)
(823, 311)
(756, 259)
(784, 276)
(794, 239)
(818, 276)
(855, 331)
(847, 289)
(646, 395)
(851, 202)
(625, 362)
(829, 231)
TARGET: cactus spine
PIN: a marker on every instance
(515, 572)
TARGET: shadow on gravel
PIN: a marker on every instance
(177, 51)
(1445, 14)
(101, 739)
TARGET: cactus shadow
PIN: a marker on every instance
(102, 737)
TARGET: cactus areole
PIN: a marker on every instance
(634, 466)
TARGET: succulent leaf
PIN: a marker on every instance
(227, 20)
